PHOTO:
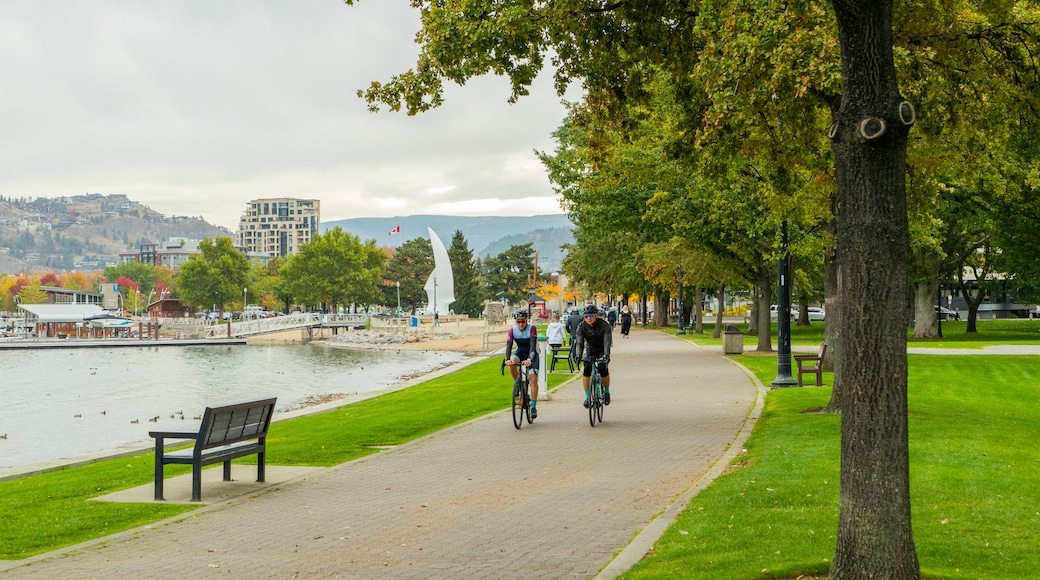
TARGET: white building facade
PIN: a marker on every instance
(279, 226)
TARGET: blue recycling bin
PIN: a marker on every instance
(415, 321)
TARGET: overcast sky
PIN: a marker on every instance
(196, 107)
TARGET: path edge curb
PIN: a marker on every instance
(645, 539)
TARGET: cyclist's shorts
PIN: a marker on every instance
(534, 363)
(603, 372)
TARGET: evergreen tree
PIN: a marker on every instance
(506, 275)
(410, 267)
(469, 292)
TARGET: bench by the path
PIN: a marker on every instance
(227, 432)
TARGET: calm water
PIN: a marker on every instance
(65, 403)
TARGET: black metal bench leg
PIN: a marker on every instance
(196, 482)
(158, 471)
(260, 466)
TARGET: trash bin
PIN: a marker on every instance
(732, 340)
(415, 321)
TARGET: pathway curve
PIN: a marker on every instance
(555, 499)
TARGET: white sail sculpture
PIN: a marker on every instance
(440, 287)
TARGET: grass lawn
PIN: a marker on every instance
(49, 511)
(1006, 331)
(975, 478)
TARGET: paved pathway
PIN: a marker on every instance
(556, 499)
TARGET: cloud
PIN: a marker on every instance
(195, 109)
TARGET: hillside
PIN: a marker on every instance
(84, 232)
(486, 235)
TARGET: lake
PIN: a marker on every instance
(67, 403)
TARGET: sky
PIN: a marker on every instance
(196, 107)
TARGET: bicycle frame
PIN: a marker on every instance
(596, 393)
(521, 399)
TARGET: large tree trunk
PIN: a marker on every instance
(721, 299)
(832, 327)
(698, 311)
(869, 139)
(763, 295)
(661, 300)
(924, 309)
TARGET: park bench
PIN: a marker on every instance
(805, 365)
(226, 432)
(560, 353)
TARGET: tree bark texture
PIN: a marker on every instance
(764, 295)
(661, 299)
(832, 330)
(720, 299)
(869, 139)
(924, 309)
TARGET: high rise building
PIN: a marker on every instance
(278, 227)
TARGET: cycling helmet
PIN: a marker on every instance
(520, 314)
(591, 309)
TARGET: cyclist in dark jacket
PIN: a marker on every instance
(592, 342)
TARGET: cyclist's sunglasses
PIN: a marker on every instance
(519, 320)
(590, 316)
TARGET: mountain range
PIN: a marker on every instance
(485, 235)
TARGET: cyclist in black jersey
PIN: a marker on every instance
(592, 342)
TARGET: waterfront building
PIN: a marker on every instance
(172, 253)
(58, 295)
(279, 226)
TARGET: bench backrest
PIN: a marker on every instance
(822, 351)
(235, 422)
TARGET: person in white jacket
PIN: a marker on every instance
(555, 333)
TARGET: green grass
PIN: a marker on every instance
(975, 480)
(989, 332)
(50, 510)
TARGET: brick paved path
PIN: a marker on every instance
(554, 500)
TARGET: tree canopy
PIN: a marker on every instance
(215, 276)
(335, 268)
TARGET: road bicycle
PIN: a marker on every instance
(596, 393)
(521, 396)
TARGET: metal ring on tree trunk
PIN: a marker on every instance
(872, 128)
(907, 114)
(833, 131)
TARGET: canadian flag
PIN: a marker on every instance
(396, 230)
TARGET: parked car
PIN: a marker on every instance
(816, 313)
(943, 313)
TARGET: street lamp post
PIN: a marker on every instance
(398, 298)
(245, 294)
(436, 319)
(784, 378)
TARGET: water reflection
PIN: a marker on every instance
(70, 402)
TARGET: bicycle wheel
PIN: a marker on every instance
(593, 397)
(599, 401)
(519, 394)
(527, 407)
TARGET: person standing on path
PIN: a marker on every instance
(554, 333)
(592, 340)
(626, 321)
(573, 321)
(526, 339)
